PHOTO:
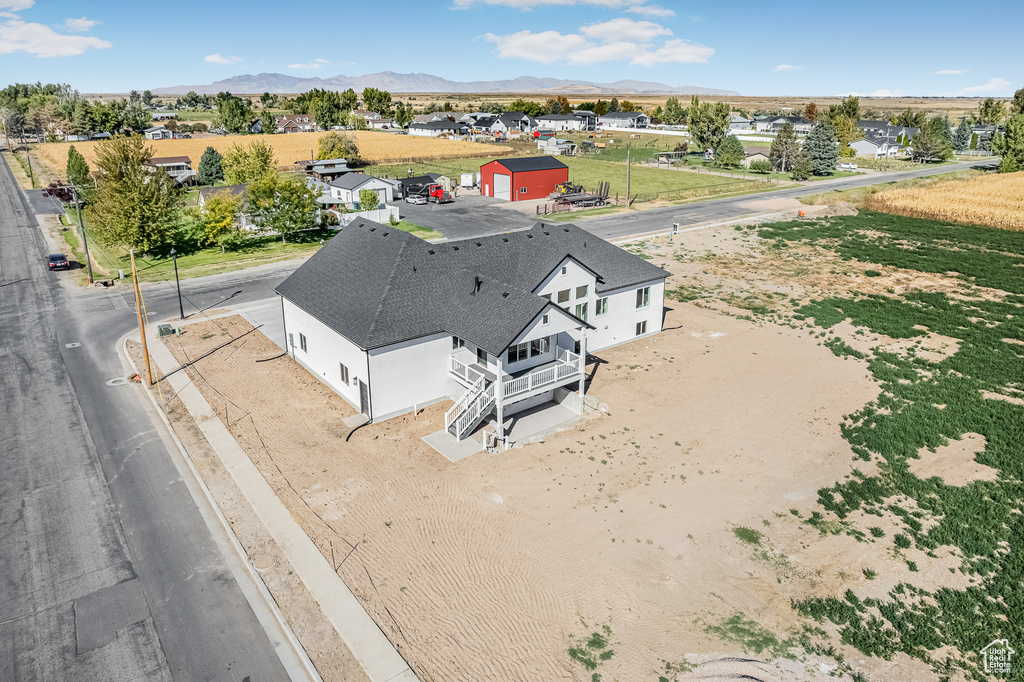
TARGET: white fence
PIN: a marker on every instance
(381, 214)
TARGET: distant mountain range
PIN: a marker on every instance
(424, 82)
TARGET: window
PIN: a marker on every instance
(302, 343)
(481, 356)
(641, 328)
(522, 190)
(643, 297)
(344, 374)
(540, 346)
(563, 295)
(544, 320)
(546, 296)
(520, 351)
(581, 311)
(457, 343)
(602, 307)
(565, 269)
(581, 291)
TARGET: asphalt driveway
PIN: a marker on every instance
(467, 216)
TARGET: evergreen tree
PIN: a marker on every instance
(210, 169)
(962, 137)
(929, 145)
(785, 149)
(802, 167)
(134, 205)
(601, 108)
(613, 106)
(77, 169)
(81, 119)
(730, 152)
(1017, 103)
(821, 147)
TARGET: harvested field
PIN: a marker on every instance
(374, 147)
(991, 200)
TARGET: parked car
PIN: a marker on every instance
(847, 166)
(58, 261)
(416, 199)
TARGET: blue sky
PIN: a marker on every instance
(756, 48)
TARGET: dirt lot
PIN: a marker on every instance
(663, 537)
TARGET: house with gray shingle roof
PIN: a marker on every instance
(497, 324)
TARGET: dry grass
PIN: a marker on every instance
(992, 200)
(374, 147)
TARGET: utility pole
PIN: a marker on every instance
(81, 228)
(174, 255)
(31, 178)
(627, 175)
(142, 322)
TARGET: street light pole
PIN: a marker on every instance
(81, 228)
(174, 255)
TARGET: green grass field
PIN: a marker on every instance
(925, 403)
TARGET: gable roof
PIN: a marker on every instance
(168, 160)
(352, 180)
(531, 163)
(623, 114)
(752, 151)
(233, 190)
(438, 125)
(377, 286)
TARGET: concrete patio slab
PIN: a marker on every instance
(450, 447)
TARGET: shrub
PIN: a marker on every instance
(761, 166)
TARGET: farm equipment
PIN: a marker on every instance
(568, 188)
(577, 197)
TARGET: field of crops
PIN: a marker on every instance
(374, 147)
(992, 200)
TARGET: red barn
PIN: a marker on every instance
(534, 177)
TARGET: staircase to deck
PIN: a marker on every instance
(470, 409)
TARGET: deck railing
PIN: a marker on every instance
(567, 364)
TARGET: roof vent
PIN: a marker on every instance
(565, 229)
(372, 229)
(477, 283)
(546, 233)
(385, 234)
(505, 239)
(504, 294)
(477, 243)
(529, 236)
(430, 251)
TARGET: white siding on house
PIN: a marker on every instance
(325, 351)
(411, 373)
(575, 276)
(618, 325)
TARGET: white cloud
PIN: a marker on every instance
(40, 40)
(218, 58)
(627, 5)
(651, 10)
(16, 5)
(995, 86)
(81, 24)
(315, 64)
(886, 92)
(786, 67)
(951, 72)
(624, 29)
(619, 39)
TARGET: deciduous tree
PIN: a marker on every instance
(811, 111)
(368, 200)
(282, 205)
(1017, 103)
(247, 164)
(674, 114)
(219, 216)
(1010, 145)
(990, 111)
(708, 123)
(339, 146)
(134, 204)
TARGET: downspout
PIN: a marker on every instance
(284, 324)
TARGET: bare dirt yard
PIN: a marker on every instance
(667, 539)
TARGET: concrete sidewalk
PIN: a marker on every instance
(375, 653)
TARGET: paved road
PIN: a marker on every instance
(468, 216)
(642, 222)
(108, 570)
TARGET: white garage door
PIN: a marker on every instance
(503, 187)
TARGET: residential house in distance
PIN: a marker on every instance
(873, 147)
(624, 119)
(443, 116)
(178, 167)
(497, 324)
(295, 123)
(322, 172)
(244, 219)
(561, 122)
(512, 122)
(438, 128)
(588, 118)
(533, 177)
(738, 123)
(772, 124)
(753, 154)
(158, 133)
(345, 190)
(373, 120)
